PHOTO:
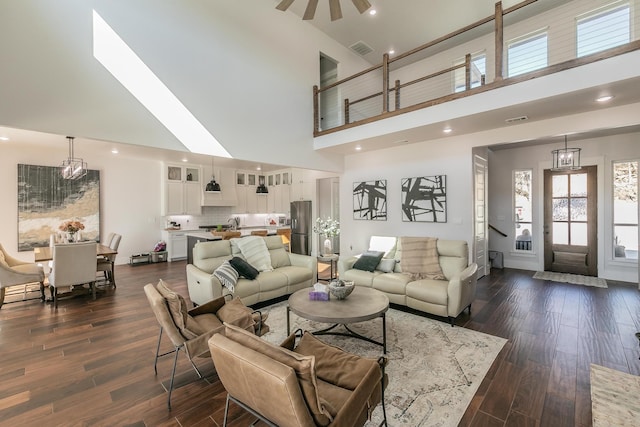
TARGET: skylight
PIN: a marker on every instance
(122, 62)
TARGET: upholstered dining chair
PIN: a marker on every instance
(14, 272)
(189, 330)
(74, 264)
(106, 264)
(305, 385)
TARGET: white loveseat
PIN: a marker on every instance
(447, 298)
(290, 273)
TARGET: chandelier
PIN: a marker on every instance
(566, 159)
(334, 8)
(73, 168)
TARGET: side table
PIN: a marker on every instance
(332, 261)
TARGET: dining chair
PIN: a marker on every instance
(74, 264)
(14, 272)
(285, 235)
(106, 264)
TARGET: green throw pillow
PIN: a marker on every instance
(368, 261)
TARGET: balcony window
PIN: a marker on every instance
(527, 54)
(603, 30)
(478, 69)
(625, 210)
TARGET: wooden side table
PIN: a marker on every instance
(332, 261)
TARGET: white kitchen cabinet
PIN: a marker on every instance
(182, 192)
(176, 244)
(303, 185)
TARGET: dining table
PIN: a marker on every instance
(45, 253)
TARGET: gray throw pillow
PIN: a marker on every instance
(386, 265)
(368, 261)
(227, 275)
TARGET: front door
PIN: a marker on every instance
(570, 221)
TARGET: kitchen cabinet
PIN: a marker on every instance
(303, 185)
(182, 192)
(176, 244)
(227, 196)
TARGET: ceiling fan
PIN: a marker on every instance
(334, 8)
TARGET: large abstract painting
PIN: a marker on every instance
(370, 200)
(46, 200)
(424, 199)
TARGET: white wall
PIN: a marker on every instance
(129, 196)
(443, 157)
(597, 151)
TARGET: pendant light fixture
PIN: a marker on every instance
(566, 159)
(212, 186)
(73, 168)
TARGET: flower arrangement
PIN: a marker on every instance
(327, 227)
(71, 226)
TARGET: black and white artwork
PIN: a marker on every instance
(370, 200)
(424, 199)
(46, 200)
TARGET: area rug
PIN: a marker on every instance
(614, 397)
(434, 369)
(576, 279)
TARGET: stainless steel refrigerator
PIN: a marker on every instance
(301, 227)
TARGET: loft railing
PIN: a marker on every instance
(424, 76)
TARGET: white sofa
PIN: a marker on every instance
(447, 298)
(291, 272)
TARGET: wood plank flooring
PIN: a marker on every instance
(91, 362)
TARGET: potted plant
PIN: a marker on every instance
(329, 228)
(618, 249)
(72, 227)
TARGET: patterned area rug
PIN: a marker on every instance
(434, 370)
(614, 397)
(576, 279)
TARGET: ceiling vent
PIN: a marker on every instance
(361, 48)
(517, 119)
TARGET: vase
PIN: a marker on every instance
(71, 237)
(328, 250)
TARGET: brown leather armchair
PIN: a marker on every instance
(313, 384)
(189, 330)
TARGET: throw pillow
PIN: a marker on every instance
(3, 262)
(255, 251)
(227, 275)
(177, 307)
(386, 265)
(244, 268)
(368, 261)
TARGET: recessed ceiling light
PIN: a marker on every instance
(373, 12)
(115, 151)
(258, 168)
(185, 160)
(4, 138)
(391, 52)
(358, 148)
(604, 98)
(447, 130)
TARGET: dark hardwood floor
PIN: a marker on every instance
(91, 362)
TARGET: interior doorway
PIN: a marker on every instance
(481, 227)
(329, 206)
(570, 221)
(330, 112)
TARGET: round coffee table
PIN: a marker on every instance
(363, 304)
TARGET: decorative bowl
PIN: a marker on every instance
(341, 289)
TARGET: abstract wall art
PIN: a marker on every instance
(46, 200)
(370, 200)
(424, 199)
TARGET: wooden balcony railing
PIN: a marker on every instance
(353, 92)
